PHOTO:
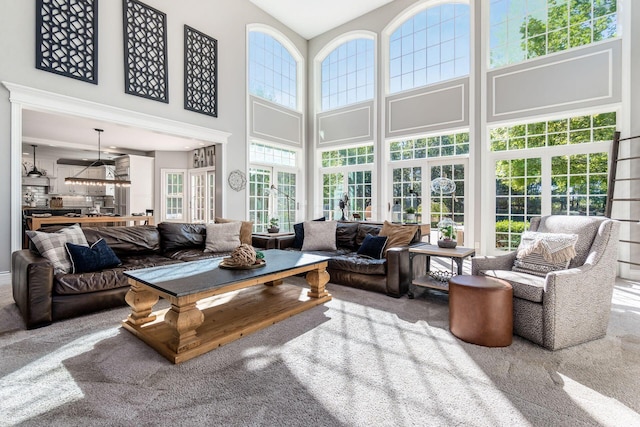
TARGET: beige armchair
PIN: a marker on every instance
(566, 307)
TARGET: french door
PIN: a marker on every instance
(411, 190)
(273, 194)
(202, 189)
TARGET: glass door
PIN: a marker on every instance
(202, 196)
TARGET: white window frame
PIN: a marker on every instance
(163, 195)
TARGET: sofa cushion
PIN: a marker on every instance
(246, 229)
(353, 263)
(181, 235)
(69, 284)
(346, 233)
(525, 286)
(94, 258)
(399, 235)
(585, 227)
(123, 240)
(222, 237)
(52, 245)
(541, 253)
(319, 236)
(364, 229)
(373, 246)
(298, 230)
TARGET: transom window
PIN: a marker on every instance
(433, 146)
(525, 29)
(573, 130)
(348, 156)
(348, 74)
(430, 47)
(272, 70)
(261, 153)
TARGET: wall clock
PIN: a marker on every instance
(237, 180)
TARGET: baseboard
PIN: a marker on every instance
(5, 278)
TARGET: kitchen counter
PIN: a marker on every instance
(36, 223)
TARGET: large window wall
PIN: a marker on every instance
(556, 166)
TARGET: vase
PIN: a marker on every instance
(273, 229)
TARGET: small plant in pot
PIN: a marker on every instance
(273, 226)
(411, 214)
(447, 233)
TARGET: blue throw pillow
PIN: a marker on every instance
(373, 246)
(298, 230)
(87, 259)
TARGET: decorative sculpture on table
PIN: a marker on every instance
(344, 204)
(446, 226)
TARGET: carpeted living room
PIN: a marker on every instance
(319, 213)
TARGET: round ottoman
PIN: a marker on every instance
(481, 310)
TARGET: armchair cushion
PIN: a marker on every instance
(525, 286)
(586, 227)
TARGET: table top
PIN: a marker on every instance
(435, 250)
(188, 278)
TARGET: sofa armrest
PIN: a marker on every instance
(32, 283)
(398, 271)
(500, 262)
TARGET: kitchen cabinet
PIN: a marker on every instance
(101, 172)
(65, 171)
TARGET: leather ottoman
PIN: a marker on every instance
(481, 310)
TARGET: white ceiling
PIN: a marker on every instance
(310, 18)
(75, 137)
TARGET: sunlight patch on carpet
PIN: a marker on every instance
(603, 409)
(45, 384)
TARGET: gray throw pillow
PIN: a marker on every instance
(222, 237)
(52, 245)
(319, 236)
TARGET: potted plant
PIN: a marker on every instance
(273, 226)
(411, 214)
(447, 233)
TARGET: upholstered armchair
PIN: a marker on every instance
(569, 306)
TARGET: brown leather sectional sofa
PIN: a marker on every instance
(390, 275)
(44, 297)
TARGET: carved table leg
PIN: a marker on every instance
(317, 279)
(184, 320)
(141, 301)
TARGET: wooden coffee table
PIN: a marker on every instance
(212, 306)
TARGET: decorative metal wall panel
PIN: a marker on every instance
(145, 51)
(200, 72)
(67, 38)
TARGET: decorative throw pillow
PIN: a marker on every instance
(373, 246)
(222, 237)
(541, 253)
(319, 236)
(246, 229)
(52, 245)
(298, 230)
(94, 258)
(399, 235)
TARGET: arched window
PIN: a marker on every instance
(429, 47)
(348, 74)
(272, 70)
(523, 30)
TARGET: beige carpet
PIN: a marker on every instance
(363, 359)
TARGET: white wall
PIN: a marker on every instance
(221, 19)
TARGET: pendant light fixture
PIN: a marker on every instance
(34, 173)
(76, 180)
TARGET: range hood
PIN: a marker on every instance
(42, 181)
